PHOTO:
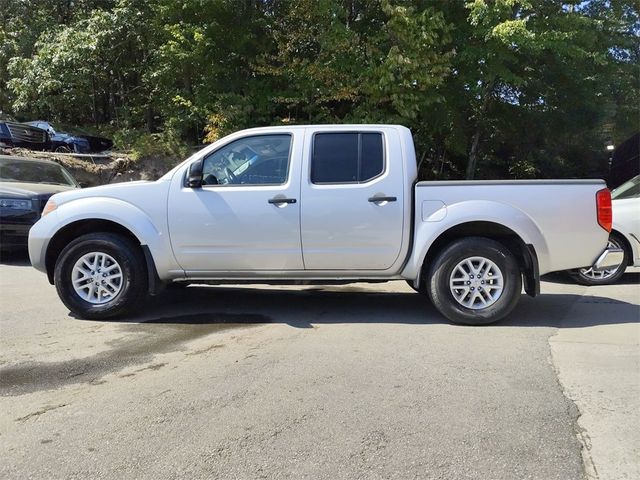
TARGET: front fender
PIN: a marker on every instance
(134, 219)
(430, 225)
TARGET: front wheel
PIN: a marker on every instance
(100, 275)
(475, 281)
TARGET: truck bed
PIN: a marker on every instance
(556, 216)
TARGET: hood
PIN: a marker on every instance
(30, 190)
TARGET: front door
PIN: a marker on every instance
(246, 215)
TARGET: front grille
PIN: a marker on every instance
(25, 133)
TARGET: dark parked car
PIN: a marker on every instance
(14, 134)
(78, 143)
(97, 144)
(25, 187)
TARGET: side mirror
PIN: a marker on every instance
(194, 178)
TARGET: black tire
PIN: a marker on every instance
(63, 149)
(129, 257)
(583, 277)
(443, 266)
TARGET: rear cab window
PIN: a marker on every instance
(347, 157)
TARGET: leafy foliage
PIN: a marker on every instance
(490, 88)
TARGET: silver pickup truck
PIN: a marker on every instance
(329, 203)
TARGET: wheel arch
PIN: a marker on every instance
(81, 227)
(525, 253)
(76, 229)
(627, 243)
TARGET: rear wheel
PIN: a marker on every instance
(100, 275)
(475, 281)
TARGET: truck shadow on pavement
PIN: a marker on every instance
(168, 322)
(346, 304)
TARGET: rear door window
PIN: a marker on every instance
(356, 157)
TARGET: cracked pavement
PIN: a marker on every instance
(358, 381)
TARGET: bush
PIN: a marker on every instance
(142, 145)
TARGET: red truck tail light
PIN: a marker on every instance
(603, 206)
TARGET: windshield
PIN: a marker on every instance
(34, 172)
(629, 189)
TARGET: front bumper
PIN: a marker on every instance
(13, 236)
(14, 227)
(610, 258)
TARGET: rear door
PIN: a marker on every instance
(352, 199)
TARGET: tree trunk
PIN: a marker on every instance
(480, 121)
(95, 102)
(473, 154)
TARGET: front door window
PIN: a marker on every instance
(257, 160)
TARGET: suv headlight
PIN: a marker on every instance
(16, 204)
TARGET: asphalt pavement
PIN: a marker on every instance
(358, 381)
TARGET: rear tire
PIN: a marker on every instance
(475, 281)
(101, 275)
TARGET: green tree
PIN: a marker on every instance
(490, 88)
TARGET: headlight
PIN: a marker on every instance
(15, 204)
(49, 207)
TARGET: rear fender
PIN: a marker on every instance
(432, 226)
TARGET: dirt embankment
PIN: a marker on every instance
(104, 168)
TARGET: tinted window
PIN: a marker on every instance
(258, 160)
(372, 160)
(346, 157)
(335, 158)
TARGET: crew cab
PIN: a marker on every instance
(329, 203)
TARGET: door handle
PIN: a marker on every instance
(382, 199)
(276, 201)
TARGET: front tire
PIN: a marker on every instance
(100, 275)
(475, 281)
